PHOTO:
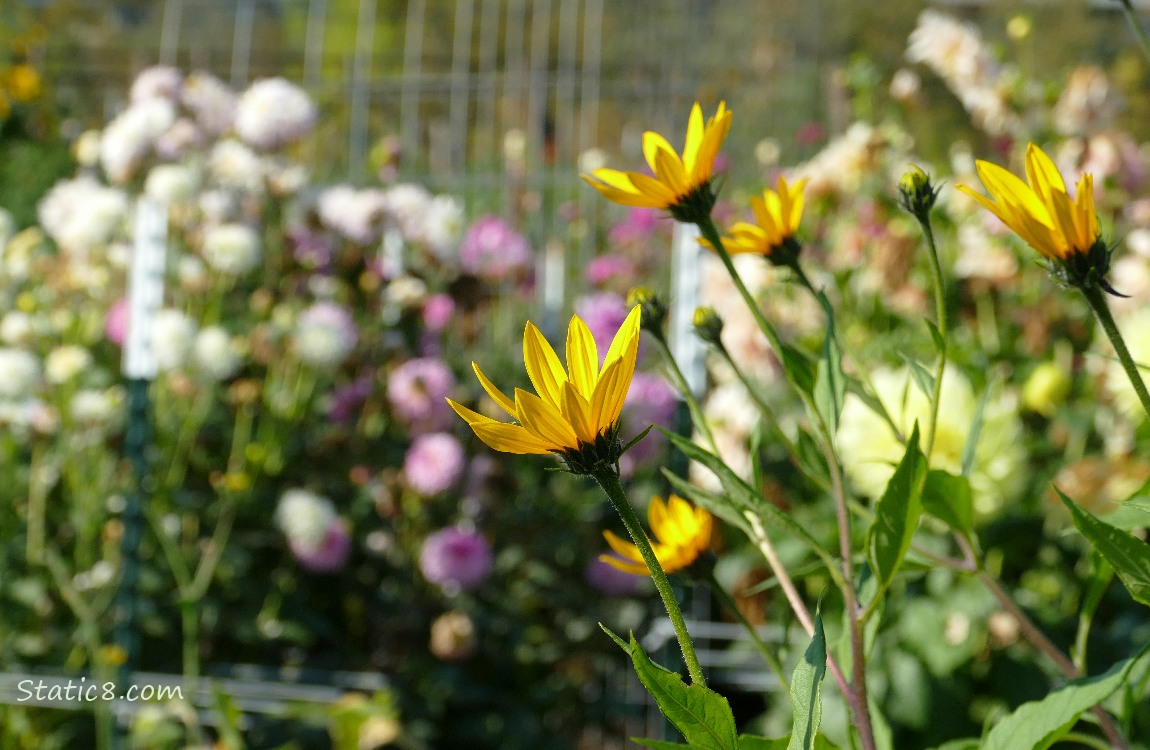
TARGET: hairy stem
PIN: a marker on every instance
(1097, 300)
(608, 479)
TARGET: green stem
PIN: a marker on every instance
(608, 479)
(940, 318)
(1094, 296)
(711, 234)
(768, 656)
(1139, 32)
(1086, 740)
(190, 625)
(680, 384)
(764, 408)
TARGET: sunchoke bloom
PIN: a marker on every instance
(603, 312)
(576, 412)
(681, 532)
(777, 216)
(1063, 229)
(680, 185)
(433, 463)
(455, 558)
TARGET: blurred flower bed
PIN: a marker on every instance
(313, 501)
(316, 503)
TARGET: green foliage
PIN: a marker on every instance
(1039, 724)
(897, 513)
(1128, 555)
(701, 715)
(806, 692)
(830, 383)
(947, 497)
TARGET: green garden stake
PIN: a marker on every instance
(145, 296)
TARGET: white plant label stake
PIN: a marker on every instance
(686, 270)
(145, 288)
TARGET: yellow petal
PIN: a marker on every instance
(654, 189)
(497, 395)
(1042, 174)
(622, 338)
(694, 138)
(670, 172)
(470, 417)
(623, 548)
(543, 366)
(577, 412)
(582, 357)
(632, 568)
(653, 144)
(544, 421)
(657, 518)
(510, 438)
(602, 404)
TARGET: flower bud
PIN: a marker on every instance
(916, 193)
(708, 325)
(653, 309)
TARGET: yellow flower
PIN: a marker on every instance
(22, 83)
(576, 414)
(1042, 214)
(777, 217)
(681, 532)
(679, 185)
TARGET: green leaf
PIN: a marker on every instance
(923, 379)
(1128, 555)
(1039, 724)
(897, 513)
(702, 716)
(830, 384)
(948, 498)
(936, 337)
(964, 744)
(751, 742)
(969, 452)
(798, 367)
(743, 497)
(806, 691)
(660, 744)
